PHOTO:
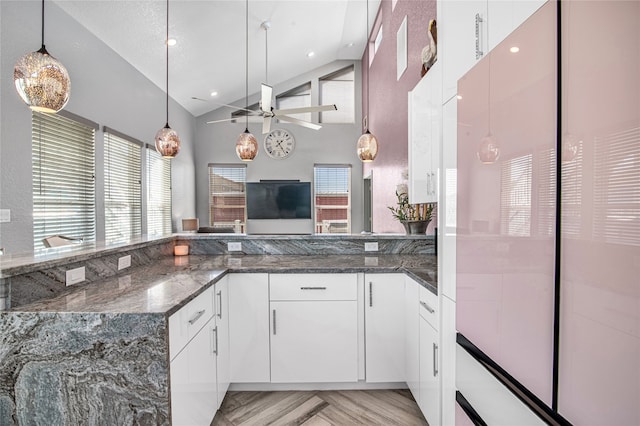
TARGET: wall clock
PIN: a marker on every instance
(279, 144)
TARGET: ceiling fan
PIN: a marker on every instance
(267, 112)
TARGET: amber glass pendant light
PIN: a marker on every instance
(41, 80)
(246, 144)
(367, 147)
(167, 139)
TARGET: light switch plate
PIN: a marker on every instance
(5, 215)
(124, 262)
(235, 246)
(75, 276)
(372, 246)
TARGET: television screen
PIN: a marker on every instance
(279, 200)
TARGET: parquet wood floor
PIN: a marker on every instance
(320, 408)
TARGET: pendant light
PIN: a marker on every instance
(246, 144)
(367, 147)
(41, 80)
(167, 139)
(488, 151)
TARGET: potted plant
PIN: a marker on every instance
(414, 217)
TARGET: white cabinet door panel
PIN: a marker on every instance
(429, 375)
(412, 336)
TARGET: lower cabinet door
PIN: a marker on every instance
(412, 336)
(223, 369)
(314, 341)
(193, 380)
(429, 392)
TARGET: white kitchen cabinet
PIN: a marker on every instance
(185, 324)
(425, 121)
(448, 363)
(222, 355)
(506, 16)
(384, 330)
(447, 206)
(412, 336)
(313, 334)
(249, 328)
(429, 401)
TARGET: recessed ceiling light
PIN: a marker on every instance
(350, 45)
(459, 96)
(214, 93)
(514, 49)
(311, 54)
(172, 42)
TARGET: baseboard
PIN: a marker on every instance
(360, 385)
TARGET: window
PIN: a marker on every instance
(378, 41)
(63, 151)
(401, 49)
(515, 202)
(296, 98)
(158, 193)
(227, 196)
(332, 189)
(122, 186)
(339, 89)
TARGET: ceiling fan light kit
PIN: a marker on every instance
(167, 139)
(41, 80)
(367, 146)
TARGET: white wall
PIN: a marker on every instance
(332, 144)
(104, 88)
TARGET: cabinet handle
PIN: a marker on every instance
(313, 288)
(479, 20)
(427, 307)
(435, 359)
(215, 339)
(370, 294)
(196, 317)
(274, 322)
(220, 300)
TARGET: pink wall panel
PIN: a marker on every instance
(388, 104)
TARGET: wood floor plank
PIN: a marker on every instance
(300, 414)
(316, 421)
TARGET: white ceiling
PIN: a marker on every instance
(210, 51)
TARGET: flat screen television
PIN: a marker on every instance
(279, 200)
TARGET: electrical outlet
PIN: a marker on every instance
(373, 246)
(235, 246)
(75, 276)
(5, 215)
(124, 262)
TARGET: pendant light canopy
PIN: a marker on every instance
(41, 80)
(367, 147)
(167, 139)
(246, 144)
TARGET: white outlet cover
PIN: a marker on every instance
(75, 276)
(124, 262)
(234, 246)
(371, 246)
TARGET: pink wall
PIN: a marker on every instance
(388, 105)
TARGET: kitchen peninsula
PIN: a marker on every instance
(106, 350)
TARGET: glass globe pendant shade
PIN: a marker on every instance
(167, 142)
(246, 146)
(42, 81)
(367, 147)
(488, 151)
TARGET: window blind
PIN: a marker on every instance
(158, 193)
(63, 152)
(227, 195)
(339, 89)
(296, 98)
(515, 199)
(332, 189)
(616, 215)
(123, 188)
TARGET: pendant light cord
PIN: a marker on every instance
(246, 68)
(166, 41)
(369, 68)
(266, 55)
(42, 24)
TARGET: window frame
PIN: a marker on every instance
(325, 226)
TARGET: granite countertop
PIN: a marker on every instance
(167, 285)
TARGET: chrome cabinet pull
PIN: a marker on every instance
(215, 339)
(370, 294)
(274, 322)
(479, 52)
(435, 360)
(427, 307)
(220, 299)
(196, 317)
(313, 288)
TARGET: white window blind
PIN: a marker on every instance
(515, 199)
(332, 189)
(158, 193)
(63, 151)
(546, 193)
(122, 187)
(616, 193)
(296, 98)
(339, 89)
(227, 195)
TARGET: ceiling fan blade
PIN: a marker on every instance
(265, 102)
(302, 123)
(266, 125)
(224, 105)
(223, 120)
(305, 109)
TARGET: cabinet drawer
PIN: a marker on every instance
(313, 286)
(429, 307)
(185, 324)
